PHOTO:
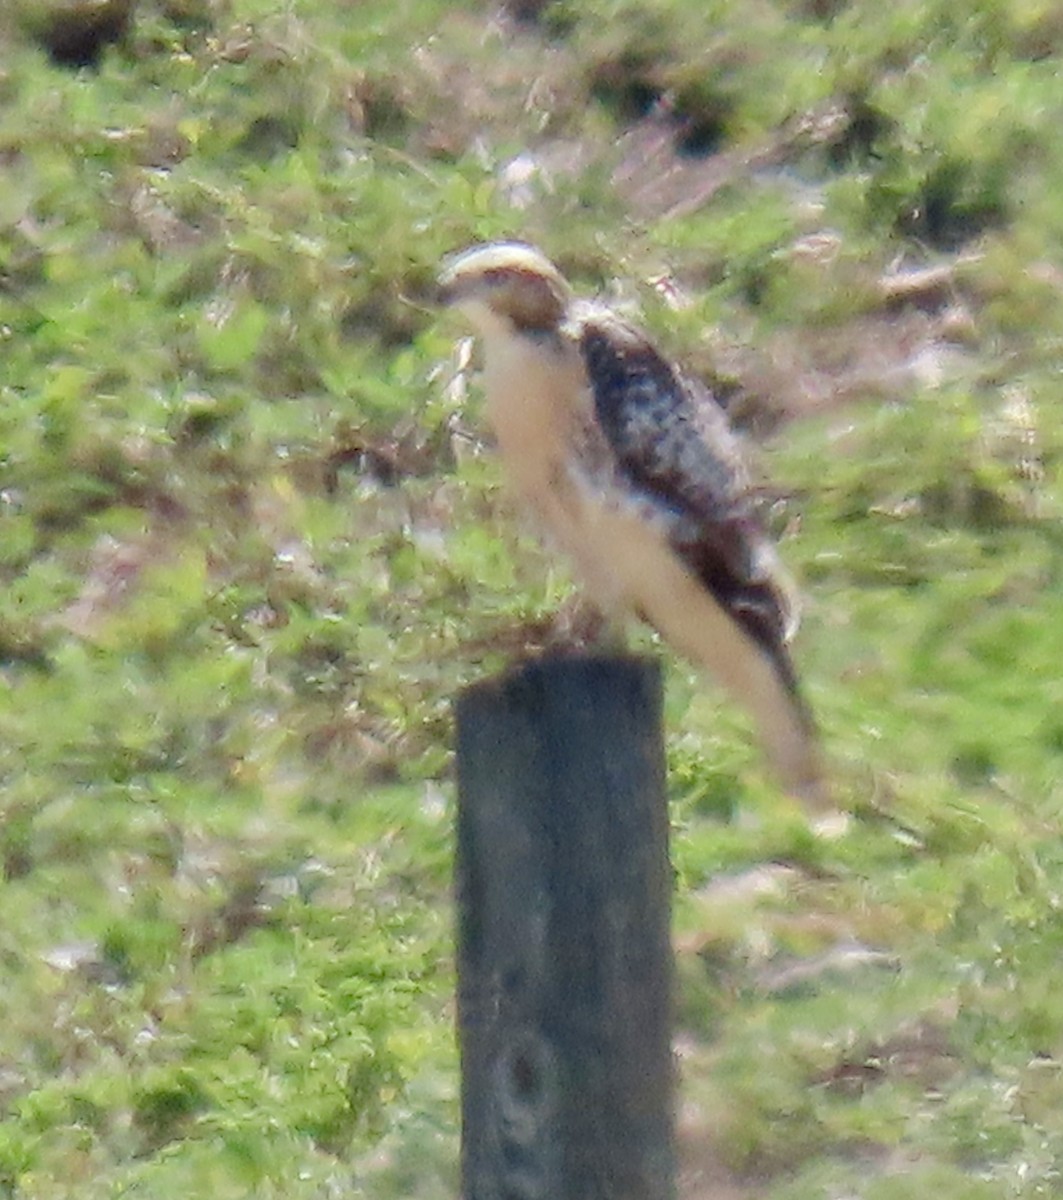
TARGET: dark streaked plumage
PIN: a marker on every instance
(672, 442)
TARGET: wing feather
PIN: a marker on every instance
(671, 440)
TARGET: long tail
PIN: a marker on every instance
(770, 692)
(762, 679)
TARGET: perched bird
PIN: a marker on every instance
(633, 468)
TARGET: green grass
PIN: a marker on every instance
(250, 549)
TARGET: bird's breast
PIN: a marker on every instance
(540, 407)
(536, 393)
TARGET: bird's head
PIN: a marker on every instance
(506, 286)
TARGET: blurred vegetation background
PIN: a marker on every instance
(252, 541)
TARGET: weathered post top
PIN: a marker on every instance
(564, 959)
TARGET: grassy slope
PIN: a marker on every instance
(249, 549)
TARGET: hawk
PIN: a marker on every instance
(633, 468)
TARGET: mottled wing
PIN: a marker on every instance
(672, 442)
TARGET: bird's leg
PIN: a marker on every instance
(611, 634)
(583, 627)
(591, 629)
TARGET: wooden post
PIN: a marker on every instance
(564, 958)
